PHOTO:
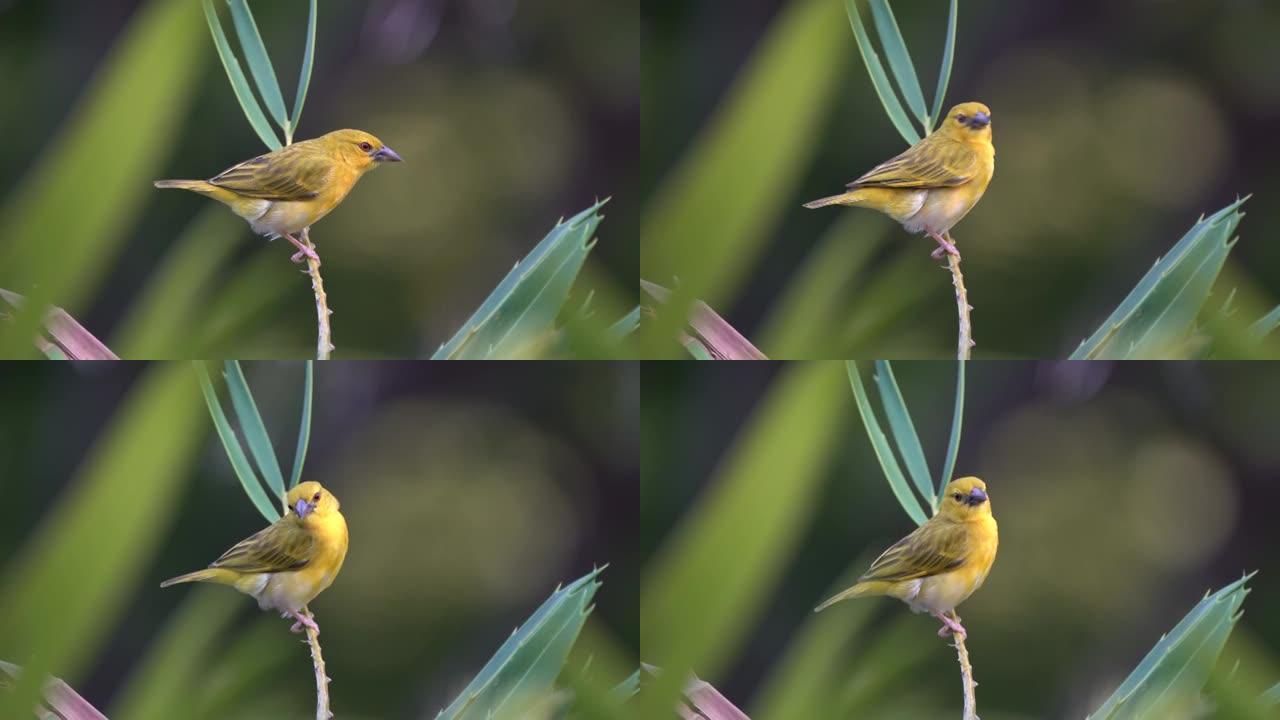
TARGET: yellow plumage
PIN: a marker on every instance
(936, 182)
(285, 191)
(942, 562)
(287, 564)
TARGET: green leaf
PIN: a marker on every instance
(519, 315)
(67, 589)
(524, 668)
(62, 228)
(944, 73)
(904, 432)
(304, 77)
(895, 49)
(631, 686)
(625, 326)
(1159, 311)
(1266, 324)
(879, 80)
(253, 429)
(255, 54)
(1272, 696)
(240, 84)
(304, 428)
(239, 462)
(884, 453)
(1172, 674)
(957, 419)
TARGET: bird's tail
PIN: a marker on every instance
(861, 589)
(199, 186)
(853, 197)
(217, 575)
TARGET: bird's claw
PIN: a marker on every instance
(308, 252)
(302, 621)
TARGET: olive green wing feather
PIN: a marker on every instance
(933, 548)
(930, 163)
(278, 547)
(296, 172)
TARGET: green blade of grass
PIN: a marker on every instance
(1175, 670)
(239, 461)
(904, 432)
(304, 76)
(520, 313)
(525, 666)
(99, 538)
(239, 83)
(253, 429)
(255, 54)
(895, 49)
(957, 420)
(884, 453)
(944, 73)
(304, 427)
(879, 80)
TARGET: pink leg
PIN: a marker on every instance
(950, 626)
(302, 621)
(303, 250)
(943, 246)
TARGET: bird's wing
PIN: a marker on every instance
(929, 163)
(297, 172)
(281, 546)
(933, 548)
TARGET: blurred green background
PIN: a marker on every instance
(509, 114)
(1123, 491)
(1116, 124)
(471, 491)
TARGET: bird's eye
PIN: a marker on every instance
(961, 118)
(315, 498)
(366, 146)
(957, 496)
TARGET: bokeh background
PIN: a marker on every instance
(1116, 124)
(510, 114)
(1123, 492)
(471, 491)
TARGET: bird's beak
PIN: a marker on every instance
(386, 154)
(303, 508)
(979, 120)
(977, 496)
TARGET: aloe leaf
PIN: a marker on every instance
(520, 313)
(625, 326)
(254, 430)
(304, 76)
(70, 339)
(525, 666)
(704, 702)
(895, 49)
(255, 54)
(239, 83)
(713, 337)
(884, 453)
(944, 73)
(304, 427)
(904, 432)
(1146, 318)
(957, 419)
(239, 461)
(1272, 696)
(59, 697)
(630, 687)
(1175, 670)
(1266, 324)
(879, 80)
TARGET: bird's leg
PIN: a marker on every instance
(943, 246)
(303, 250)
(302, 621)
(950, 624)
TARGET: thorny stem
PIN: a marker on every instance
(966, 678)
(965, 341)
(322, 678)
(324, 339)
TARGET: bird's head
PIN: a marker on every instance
(965, 498)
(967, 122)
(311, 500)
(359, 149)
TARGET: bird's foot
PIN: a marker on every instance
(950, 626)
(303, 250)
(301, 622)
(944, 246)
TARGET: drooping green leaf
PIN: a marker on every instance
(519, 315)
(895, 49)
(239, 83)
(255, 54)
(304, 427)
(523, 669)
(957, 420)
(239, 461)
(1167, 682)
(944, 73)
(904, 432)
(253, 429)
(879, 80)
(304, 76)
(884, 453)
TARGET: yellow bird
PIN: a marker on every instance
(942, 562)
(936, 182)
(288, 563)
(287, 190)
